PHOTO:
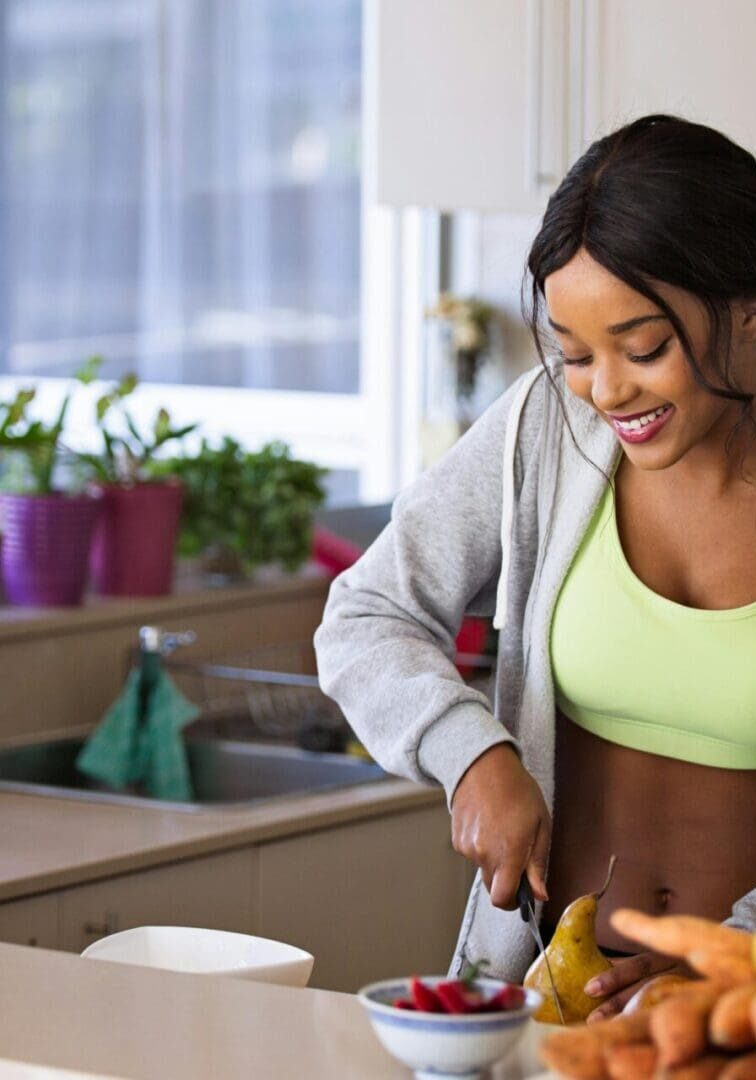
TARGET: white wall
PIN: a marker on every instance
(490, 251)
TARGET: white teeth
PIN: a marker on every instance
(641, 421)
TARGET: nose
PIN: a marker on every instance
(612, 386)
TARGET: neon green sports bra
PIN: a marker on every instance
(643, 671)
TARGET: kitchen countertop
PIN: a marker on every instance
(49, 843)
(117, 1020)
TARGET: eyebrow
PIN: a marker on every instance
(617, 328)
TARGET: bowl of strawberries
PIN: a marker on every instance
(442, 1027)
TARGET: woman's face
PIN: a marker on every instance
(603, 362)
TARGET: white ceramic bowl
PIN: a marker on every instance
(441, 1045)
(206, 952)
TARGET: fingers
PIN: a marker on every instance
(504, 883)
(627, 970)
(613, 1005)
(501, 823)
(625, 978)
(539, 854)
(501, 869)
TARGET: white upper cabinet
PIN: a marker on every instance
(692, 58)
(468, 102)
(485, 104)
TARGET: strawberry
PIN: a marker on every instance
(403, 1003)
(425, 999)
(457, 997)
(509, 997)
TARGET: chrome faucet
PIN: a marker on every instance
(163, 642)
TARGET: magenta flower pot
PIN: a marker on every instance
(45, 549)
(134, 546)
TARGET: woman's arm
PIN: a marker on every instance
(385, 647)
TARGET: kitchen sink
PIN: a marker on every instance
(225, 774)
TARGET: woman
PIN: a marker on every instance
(604, 510)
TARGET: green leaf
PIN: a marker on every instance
(471, 971)
(162, 426)
(89, 370)
(126, 386)
(103, 406)
(17, 408)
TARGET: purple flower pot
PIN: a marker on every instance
(134, 546)
(45, 549)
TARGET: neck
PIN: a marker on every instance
(717, 467)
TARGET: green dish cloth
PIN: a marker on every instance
(128, 749)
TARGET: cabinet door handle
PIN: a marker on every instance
(536, 175)
(108, 926)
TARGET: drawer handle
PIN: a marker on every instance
(109, 926)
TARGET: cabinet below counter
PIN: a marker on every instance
(364, 878)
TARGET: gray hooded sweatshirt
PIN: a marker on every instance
(490, 529)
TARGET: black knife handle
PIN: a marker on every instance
(525, 898)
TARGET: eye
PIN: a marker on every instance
(652, 355)
(582, 361)
(577, 362)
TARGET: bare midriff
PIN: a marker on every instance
(684, 834)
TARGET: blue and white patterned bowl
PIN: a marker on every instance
(440, 1045)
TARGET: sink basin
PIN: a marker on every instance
(225, 774)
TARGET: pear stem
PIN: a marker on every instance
(610, 872)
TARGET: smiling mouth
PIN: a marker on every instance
(640, 420)
(642, 428)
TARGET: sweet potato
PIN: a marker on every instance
(679, 1024)
(579, 1052)
(730, 1020)
(637, 1061)
(741, 1068)
(726, 967)
(709, 1067)
(678, 935)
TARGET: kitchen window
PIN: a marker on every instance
(182, 194)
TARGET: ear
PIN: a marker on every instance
(744, 319)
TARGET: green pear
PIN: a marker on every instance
(574, 958)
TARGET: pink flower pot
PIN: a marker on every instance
(45, 549)
(134, 546)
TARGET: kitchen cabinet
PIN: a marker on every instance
(369, 900)
(485, 106)
(694, 60)
(33, 921)
(216, 891)
(472, 106)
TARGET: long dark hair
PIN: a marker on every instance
(666, 199)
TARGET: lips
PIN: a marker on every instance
(643, 434)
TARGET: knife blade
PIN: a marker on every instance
(526, 904)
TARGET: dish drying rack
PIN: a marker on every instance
(272, 692)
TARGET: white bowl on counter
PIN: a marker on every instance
(206, 952)
(443, 1045)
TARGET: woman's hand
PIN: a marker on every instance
(501, 823)
(626, 977)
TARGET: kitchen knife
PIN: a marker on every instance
(526, 904)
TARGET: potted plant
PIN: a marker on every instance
(243, 509)
(47, 531)
(134, 546)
